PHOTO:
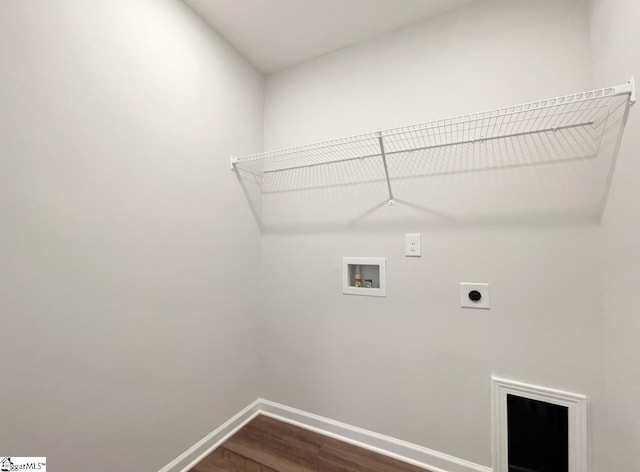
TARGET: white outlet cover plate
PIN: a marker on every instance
(412, 245)
(465, 302)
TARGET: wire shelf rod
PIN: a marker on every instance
(505, 130)
(477, 137)
(434, 146)
(578, 98)
(400, 131)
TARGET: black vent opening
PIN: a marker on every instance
(538, 434)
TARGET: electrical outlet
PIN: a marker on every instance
(412, 245)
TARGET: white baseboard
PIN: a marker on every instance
(188, 459)
(419, 456)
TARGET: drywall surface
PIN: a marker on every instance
(414, 365)
(615, 42)
(127, 316)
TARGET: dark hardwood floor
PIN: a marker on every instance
(268, 445)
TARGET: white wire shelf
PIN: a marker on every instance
(581, 118)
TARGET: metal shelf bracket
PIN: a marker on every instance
(386, 169)
(628, 88)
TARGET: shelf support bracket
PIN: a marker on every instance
(232, 163)
(628, 88)
(386, 169)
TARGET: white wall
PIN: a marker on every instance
(127, 316)
(616, 41)
(414, 365)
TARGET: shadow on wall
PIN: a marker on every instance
(525, 171)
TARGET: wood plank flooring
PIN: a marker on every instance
(268, 445)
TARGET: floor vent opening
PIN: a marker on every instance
(538, 429)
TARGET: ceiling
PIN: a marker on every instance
(276, 34)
